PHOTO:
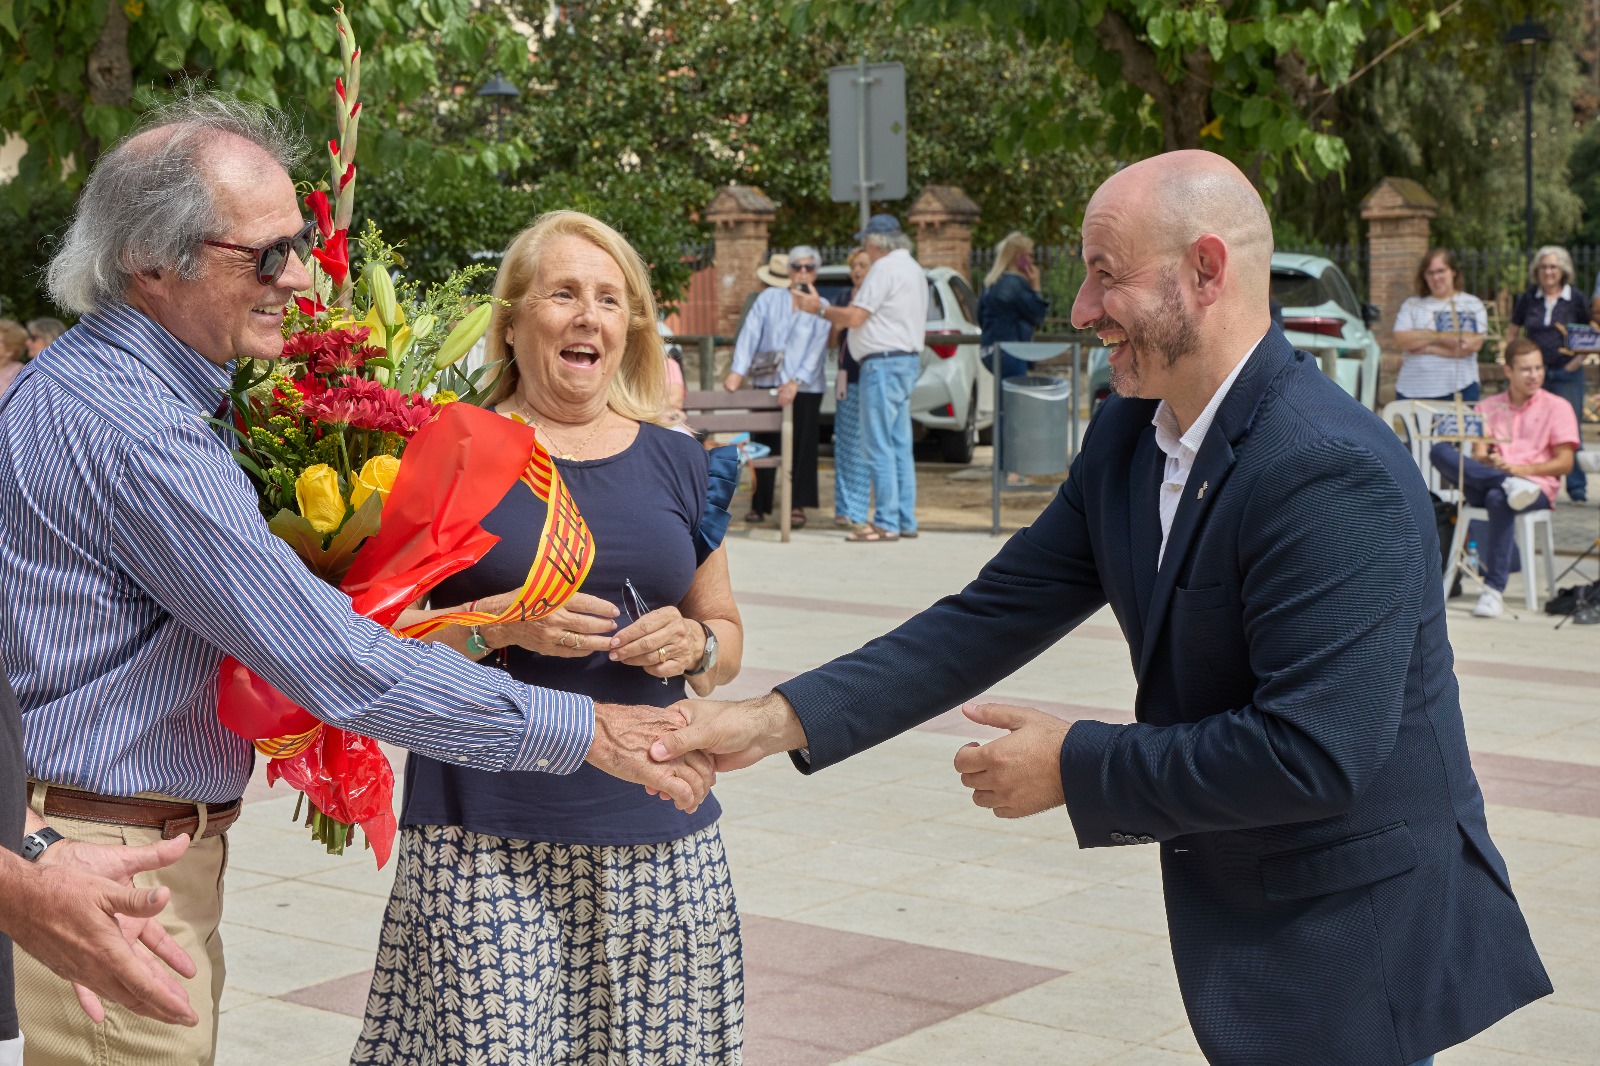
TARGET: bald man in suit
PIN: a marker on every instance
(1298, 755)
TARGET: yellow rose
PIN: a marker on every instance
(316, 490)
(377, 476)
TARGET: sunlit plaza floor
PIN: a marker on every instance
(887, 920)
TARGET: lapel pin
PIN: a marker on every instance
(1202, 493)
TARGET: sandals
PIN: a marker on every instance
(754, 518)
(797, 519)
(871, 534)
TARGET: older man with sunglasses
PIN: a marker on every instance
(133, 558)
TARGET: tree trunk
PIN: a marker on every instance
(110, 71)
(1182, 105)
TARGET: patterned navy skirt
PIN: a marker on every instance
(533, 954)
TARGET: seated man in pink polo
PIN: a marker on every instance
(1533, 435)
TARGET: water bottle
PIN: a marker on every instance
(1471, 562)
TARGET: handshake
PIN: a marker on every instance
(676, 752)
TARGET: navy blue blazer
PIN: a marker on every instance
(1332, 892)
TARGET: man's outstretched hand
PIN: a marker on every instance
(1020, 773)
(736, 734)
(621, 747)
(98, 931)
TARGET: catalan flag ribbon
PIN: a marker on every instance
(454, 471)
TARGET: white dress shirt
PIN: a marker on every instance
(1181, 451)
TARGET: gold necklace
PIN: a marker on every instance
(555, 447)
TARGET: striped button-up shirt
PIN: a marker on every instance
(133, 557)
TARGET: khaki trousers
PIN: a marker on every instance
(57, 1031)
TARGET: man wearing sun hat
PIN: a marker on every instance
(887, 320)
(781, 348)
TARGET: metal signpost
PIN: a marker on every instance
(867, 133)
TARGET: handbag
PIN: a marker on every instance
(766, 370)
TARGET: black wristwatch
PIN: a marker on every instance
(708, 658)
(33, 844)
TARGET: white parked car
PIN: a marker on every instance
(1321, 314)
(954, 395)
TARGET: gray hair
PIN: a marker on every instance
(149, 203)
(889, 242)
(803, 252)
(1563, 259)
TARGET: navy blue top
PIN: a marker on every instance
(1529, 315)
(11, 826)
(643, 506)
(1010, 309)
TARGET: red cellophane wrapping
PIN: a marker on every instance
(454, 471)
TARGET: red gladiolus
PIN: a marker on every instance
(318, 202)
(349, 172)
(338, 87)
(334, 255)
(309, 305)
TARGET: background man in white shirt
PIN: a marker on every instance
(887, 321)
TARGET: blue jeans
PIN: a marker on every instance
(1568, 384)
(886, 384)
(852, 481)
(1471, 394)
(1483, 489)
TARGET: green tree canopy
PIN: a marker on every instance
(1235, 76)
(75, 74)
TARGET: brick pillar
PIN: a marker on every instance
(741, 218)
(944, 216)
(1397, 211)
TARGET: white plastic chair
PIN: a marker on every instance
(1417, 418)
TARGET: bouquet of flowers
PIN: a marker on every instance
(357, 448)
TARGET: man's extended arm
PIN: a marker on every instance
(188, 532)
(68, 919)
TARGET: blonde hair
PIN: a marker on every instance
(1006, 252)
(638, 390)
(1563, 259)
(13, 340)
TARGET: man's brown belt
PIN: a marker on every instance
(171, 817)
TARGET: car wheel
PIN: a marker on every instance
(958, 445)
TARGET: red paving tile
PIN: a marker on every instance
(342, 995)
(816, 995)
(1544, 675)
(1539, 784)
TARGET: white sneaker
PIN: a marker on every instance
(1521, 494)
(1588, 461)
(1490, 605)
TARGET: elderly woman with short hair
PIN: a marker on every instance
(796, 344)
(1549, 303)
(43, 332)
(584, 919)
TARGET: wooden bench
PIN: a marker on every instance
(751, 411)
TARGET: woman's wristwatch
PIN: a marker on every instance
(708, 657)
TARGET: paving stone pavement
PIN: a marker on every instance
(888, 920)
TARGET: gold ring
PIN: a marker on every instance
(661, 655)
(563, 641)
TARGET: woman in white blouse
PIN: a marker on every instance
(1440, 331)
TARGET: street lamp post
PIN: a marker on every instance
(501, 92)
(1527, 40)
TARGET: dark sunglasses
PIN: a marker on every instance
(272, 258)
(810, 267)
(633, 605)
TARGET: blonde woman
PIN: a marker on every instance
(852, 479)
(1009, 310)
(556, 906)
